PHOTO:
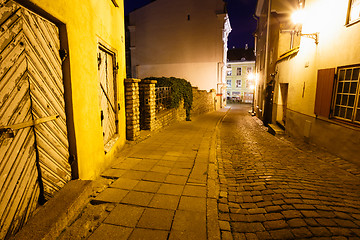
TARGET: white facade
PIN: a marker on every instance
(181, 38)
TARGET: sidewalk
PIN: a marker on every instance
(164, 187)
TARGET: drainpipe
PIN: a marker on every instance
(255, 70)
(269, 89)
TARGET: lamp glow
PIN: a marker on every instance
(251, 76)
(298, 17)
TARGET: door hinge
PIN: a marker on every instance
(63, 54)
(116, 68)
(99, 60)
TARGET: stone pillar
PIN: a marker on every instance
(149, 104)
(132, 105)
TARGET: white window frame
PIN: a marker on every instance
(228, 83)
(346, 97)
(238, 83)
(238, 71)
(353, 12)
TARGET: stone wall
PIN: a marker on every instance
(132, 108)
(148, 104)
(141, 107)
(169, 116)
(203, 101)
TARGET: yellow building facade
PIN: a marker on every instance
(69, 121)
(308, 71)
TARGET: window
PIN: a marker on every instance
(229, 72)
(249, 69)
(228, 83)
(238, 83)
(354, 11)
(238, 71)
(346, 101)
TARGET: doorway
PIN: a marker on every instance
(34, 148)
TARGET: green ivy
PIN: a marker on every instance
(180, 89)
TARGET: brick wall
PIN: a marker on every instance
(169, 116)
(203, 102)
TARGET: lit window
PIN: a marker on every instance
(347, 101)
(228, 83)
(229, 72)
(238, 71)
(238, 83)
(354, 11)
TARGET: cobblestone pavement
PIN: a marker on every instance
(277, 188)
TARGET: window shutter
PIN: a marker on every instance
(324, 89)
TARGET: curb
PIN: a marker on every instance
(213, 187)
(50, 219)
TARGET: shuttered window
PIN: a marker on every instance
(324, 89)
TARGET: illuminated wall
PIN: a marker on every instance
(297, 73)
(87, 23)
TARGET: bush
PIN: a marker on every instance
(180, 89)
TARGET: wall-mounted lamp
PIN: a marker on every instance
(298, 19)
(314, 36)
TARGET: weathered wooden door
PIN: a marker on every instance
(107, 93)
(34, 160)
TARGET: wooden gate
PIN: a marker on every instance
(33, 141)
(107, 93)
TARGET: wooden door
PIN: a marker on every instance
(107, 91)
(34, 161)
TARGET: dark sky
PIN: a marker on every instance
(241, 19)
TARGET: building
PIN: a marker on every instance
(240, 80)
(62, 68)
(308, 71)
(181, 38)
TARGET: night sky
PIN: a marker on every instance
(241, 19)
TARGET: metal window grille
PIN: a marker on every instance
(163, 98)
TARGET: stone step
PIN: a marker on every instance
(274, 129)
(281, 124)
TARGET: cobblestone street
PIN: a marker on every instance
(276, 188)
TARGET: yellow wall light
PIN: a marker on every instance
(298, 18)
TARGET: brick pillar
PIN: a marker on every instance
(149, 104)
(132, 105)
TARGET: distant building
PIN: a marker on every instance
(181, 38)
(240, 78)
(308, 72)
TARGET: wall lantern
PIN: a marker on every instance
(298, 19)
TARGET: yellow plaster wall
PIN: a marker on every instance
(86, 21)
(339, 45)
